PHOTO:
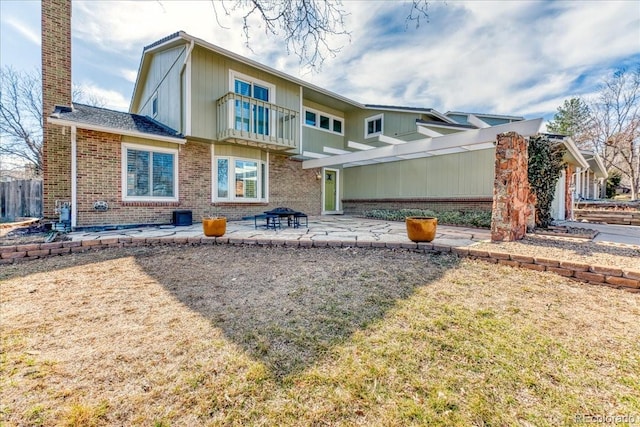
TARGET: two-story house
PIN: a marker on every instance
(211, 131)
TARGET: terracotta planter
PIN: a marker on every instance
(421, 228)
(214, 227)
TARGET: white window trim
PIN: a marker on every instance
(317, 125)
(126, 146)
(262, 198)
(233, 75)
(370, 119)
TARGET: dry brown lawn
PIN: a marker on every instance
(228, 335)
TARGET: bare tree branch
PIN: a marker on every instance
(305, 26)
(418, 11)
(313, 30)
(615, 125)
(21, 117)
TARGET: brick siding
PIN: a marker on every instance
(99, 160)
(56, 90)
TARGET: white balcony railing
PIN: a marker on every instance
(247, 119)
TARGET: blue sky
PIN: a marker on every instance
(515, 57)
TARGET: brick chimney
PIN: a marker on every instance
(56, 90)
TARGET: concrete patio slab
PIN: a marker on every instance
(321, 231)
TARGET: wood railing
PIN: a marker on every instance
(245, 119)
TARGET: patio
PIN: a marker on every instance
(321, 231)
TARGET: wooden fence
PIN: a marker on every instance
(21, 198)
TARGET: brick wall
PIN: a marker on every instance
(56, 90)
(294, 187)
(512, 201)
(100, 179)
(359, 206)
(619, 278)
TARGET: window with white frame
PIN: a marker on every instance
(240, 180)
(327, 122)
(373, 126)
(149, 173)
(251, 112)
(154, 105)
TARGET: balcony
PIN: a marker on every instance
(250, 121)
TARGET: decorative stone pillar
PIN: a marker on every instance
(511, 194)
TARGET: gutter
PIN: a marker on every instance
(98, 128)
(573, 150)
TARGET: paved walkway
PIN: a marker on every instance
(625, 234)
(344, 229)
(351, 230)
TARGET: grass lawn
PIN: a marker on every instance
(226, 335)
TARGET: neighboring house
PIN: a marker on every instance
(591, 183)
(211, 131)
(583, 177)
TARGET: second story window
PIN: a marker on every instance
(154, 105)
(373, 126)
(324, 121)
(251, 112)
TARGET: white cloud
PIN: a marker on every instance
(29, 33)
(106, 98)
(128, 74)
(497, 57)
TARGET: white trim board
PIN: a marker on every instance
(430, 145)
(115, 131)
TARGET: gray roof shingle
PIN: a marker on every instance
(116, 120)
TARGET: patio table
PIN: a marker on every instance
(292, 216)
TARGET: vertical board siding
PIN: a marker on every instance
(21, 198)
(164, 78)
(467, 174)
(210, 82)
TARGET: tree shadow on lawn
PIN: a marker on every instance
(287, 307)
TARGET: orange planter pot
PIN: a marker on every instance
(214, 227)
(421, 228)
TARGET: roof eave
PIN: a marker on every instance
(147, 52)
(98, 128)
(572, 150)
(265, 68)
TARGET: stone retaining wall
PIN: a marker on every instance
(620, 278)
(626, 217)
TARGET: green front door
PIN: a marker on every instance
(330, 190)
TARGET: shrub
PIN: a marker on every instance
(545, 167)
(465, 218)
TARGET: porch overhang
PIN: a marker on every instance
(595, 164)
(468, 140)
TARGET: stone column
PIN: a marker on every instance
(511, 194)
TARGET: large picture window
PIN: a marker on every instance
(240, 179)
(149, 173)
